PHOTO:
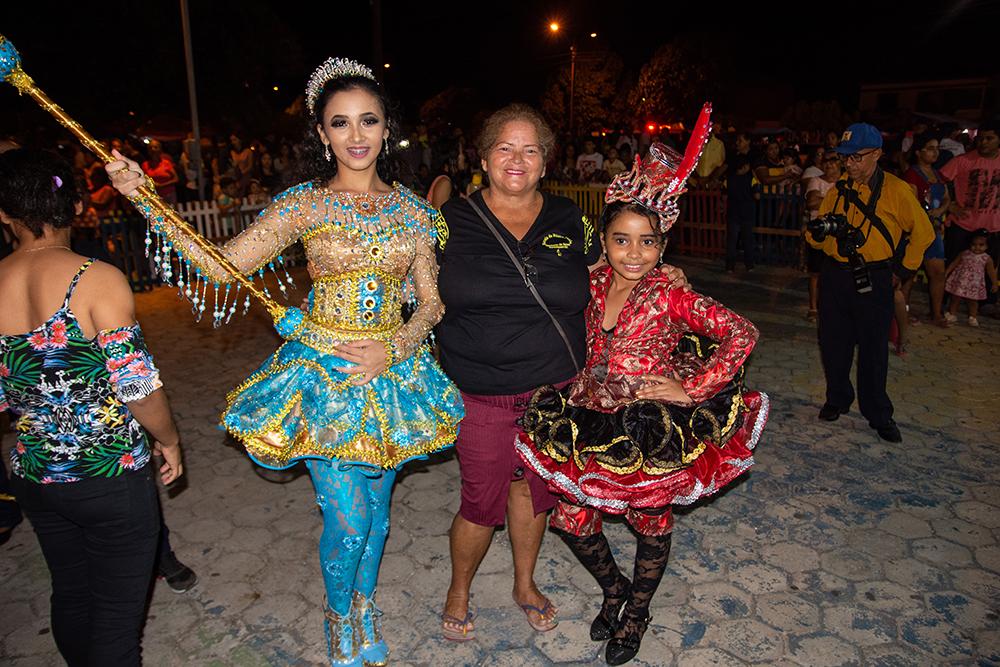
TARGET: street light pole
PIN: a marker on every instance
(572, 86)
(377, 58)
(554, 28)
(193, 99)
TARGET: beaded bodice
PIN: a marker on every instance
(367, 253)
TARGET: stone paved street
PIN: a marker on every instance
(836, 549)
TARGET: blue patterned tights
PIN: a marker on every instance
(355, 505)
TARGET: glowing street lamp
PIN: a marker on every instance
(555, 28)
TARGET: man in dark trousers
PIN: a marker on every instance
(862, 222)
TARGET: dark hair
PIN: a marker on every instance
(921, 140)
(979, 234)
(615, 209)
(494, 124)
(992, 125)
(37, 188)
(314, 166)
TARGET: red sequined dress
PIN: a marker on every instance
(600, 447)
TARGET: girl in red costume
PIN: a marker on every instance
(659, 415)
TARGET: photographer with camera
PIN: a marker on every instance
(862, 221)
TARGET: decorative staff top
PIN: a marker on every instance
(10, 59)
(288, 320)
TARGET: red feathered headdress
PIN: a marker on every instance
(657, 182)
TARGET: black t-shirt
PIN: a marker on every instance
(739, 187)
(494, 337)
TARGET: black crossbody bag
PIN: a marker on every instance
(527, 281)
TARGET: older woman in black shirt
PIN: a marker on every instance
(498, 345)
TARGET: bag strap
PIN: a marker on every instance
(527, 281)
(868, 208)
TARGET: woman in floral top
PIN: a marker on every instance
(82, 387)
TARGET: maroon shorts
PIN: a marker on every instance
(487, 459)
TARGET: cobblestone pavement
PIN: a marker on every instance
(836, 549)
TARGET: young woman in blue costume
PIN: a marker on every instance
(356, 394)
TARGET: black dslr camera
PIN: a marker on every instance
(849, 239)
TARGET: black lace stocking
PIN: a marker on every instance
(595, 554)
(650, 562)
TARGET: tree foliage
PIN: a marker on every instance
(598, 92)
(454, 104)
(816, 116)
(674, 83)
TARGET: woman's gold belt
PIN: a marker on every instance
(324, 338)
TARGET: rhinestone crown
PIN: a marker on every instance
(333, 68)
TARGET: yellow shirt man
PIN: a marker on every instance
(712, 157)
(898, 209)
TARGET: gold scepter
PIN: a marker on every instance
(288, 321)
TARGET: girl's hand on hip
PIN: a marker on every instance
(368, 356)
(661, 388)
(677, 278)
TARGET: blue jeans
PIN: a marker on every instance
(99, 537)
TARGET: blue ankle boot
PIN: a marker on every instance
(368, 618)
(342, 639)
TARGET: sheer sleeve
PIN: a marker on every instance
(736, 337)
(286, 219)
(423, 272)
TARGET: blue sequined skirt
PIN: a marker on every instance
(298, 406)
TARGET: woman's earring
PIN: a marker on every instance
(326, 153)
(385, 145)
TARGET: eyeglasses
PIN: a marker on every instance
(524, 253)
(858, 157)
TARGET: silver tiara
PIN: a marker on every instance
(333, 68)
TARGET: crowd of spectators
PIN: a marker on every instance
(443, 163)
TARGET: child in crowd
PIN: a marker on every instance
(228, 201)
(658, 416)
(790, 159)
(613, 165)
(965, 279)
(258, 196)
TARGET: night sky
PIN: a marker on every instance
(101, 60)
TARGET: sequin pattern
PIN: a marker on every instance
(651, 324)
(368, 254)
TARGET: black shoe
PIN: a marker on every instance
(831, 413)
(889, 432)
(622, 649)
(179, 577)
(5, 535)
(605, 623)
